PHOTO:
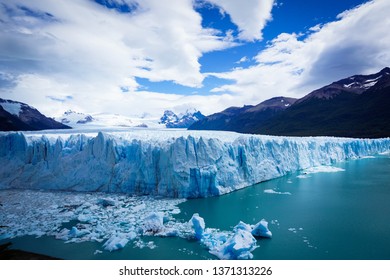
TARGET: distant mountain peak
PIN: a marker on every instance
(73, 118)
(241, 118)
(182, 120)
(356, 84)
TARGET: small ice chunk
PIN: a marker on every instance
(151, 245)
(239, 246)
(323, 169)
(139, 207)
(303, 176)
(243, 226)
(98, 252)
(198, 225)
(131, 235)
(175, 211)
(105, 202)
(261, 229)
(115, 242)
(275, 192)
(294, 230)
(154, 223)
(84, 218)
(75, 232)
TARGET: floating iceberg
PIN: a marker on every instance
(198, 225)
(228, 245)
(261, 230)
(180, 163)
(239, 246)
(115, 242)
(154, 223)
(270, 191)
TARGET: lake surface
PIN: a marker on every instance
(340, 215)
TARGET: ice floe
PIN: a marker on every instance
(319, 169)
(91, 216)
(271, 191)
(116, 221)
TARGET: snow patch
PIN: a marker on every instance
(14, 108)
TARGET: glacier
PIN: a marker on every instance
(177, 164)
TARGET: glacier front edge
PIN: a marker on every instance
(178, 163)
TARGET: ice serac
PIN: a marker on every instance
(165, 163)
(198, 225)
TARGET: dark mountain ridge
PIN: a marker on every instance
(358, 106)
(242, 119)
(17, 116)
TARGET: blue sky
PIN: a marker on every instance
(130, 57)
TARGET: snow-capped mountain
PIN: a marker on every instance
(104, 120)
(107, 120)
(15, 116)
(356, 84)
(73, 118)
(182, 120)
(357, 106)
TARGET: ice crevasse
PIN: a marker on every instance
(184, 164)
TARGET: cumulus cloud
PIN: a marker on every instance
(88, 52)
(294, 64)
(250, 16)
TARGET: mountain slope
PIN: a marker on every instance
(358, 106)
(243, 119)
(16, 116)
(354, 107)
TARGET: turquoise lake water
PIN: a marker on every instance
(341, 215)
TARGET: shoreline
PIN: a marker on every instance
(15, 254)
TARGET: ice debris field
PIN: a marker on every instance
(81, 187)
(117, 220)
(177, 164)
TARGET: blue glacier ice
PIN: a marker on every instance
(230, 245)
(154, 223)
(198, 225)
(179, 163)
(261, 229)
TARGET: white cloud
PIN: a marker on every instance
(242, 60)
(250, 16)
(86, 52)
(293, 65)
(83, 53)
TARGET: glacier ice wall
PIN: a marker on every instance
(172, 164)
